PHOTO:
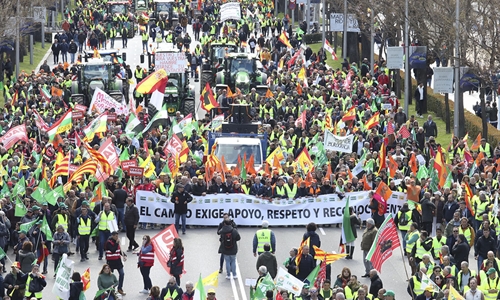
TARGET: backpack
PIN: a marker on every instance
(228, 240)
(403, 221)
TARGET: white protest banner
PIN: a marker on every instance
(102, 101)
(443, 80)
(63, 277)
(395, 58)
(14, 135)
(337, 22)
(288, 282)
(386, 106)
(230, 11)
(250, 211)
(338, 143)
(171, 62)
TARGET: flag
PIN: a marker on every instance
(347, 232)
(393, 166)
(200, 293)
(56, 92)
(278, 153)
(152, 82)
(350, 115)
(403, 131)
(42, 190)
(64, 124)
(2, 253)
(40, 123)
(54, 194)
(20, 209)
(329, 48)
(61, 168)
(45, 94)
(269, 94)
(468, 197)
(302, 73)
(301, 120)
(373, 121)
(304, 161)
(384, 191)
(413, 163)
(311, 278)
(292, 60)
(387, 239)
(454, 294)
(426, 281)
(250, 169)
(328, 257)
(89, 166)
(422, 172)
(19, 188)
(212, 279)
(267, 284)
(305, 242)
(86, 279)
(134, 126)
(381, 157)
(46, 229)
(284, 39)
(97, 125)
(477, 143)
(96, 155)
(207, 98)
(321, 277)
(161, 118)
(229, 93)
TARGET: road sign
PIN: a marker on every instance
(39, 14)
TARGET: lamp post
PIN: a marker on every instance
(407, 62)
(456, 106)
(344, 47)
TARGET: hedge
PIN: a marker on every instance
(312, 38)
(473, 124)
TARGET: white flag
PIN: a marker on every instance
(330, 49)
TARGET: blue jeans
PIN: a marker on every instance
(403, 234)
(121, 216)
(121, 276)
(103, 237)
(177, 217)
(72, 57)
(480, 260)
(230, 264)
(145, 277)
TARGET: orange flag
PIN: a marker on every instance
(269, 94)
(250, 165)
(236, 170)
(413, 164)
(476, 144)
(223, 162)
(393, 166)
(366, 186)
(309, 179)
(276, 164)
(381, 157)
(266, 169)
(413, 193)
(479, 158)
(328, 172)
(349, 173)
(56, 92)
(229, 93)
(384, 191)
(299, 89)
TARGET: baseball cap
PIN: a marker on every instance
(211, 291)
(389, 293)
(490, 271)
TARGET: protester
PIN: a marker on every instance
(221, 224)
(180, 198)
(176, 260)
(61, 242)
(114, 256)
(35, 283)
(146, 261)
(228, 238)
(131, 221)
(107, 281)
(75, 287)
(172, 290)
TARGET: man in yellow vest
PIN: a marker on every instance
(104, 219)
(84, 223)
(491, 286)
(172, 290)
(263, 236)
(403, 220)
(415, 284)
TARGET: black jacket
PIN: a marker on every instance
(112, 246)
(427, 208)
(314, 241)
(306, 265)
(182, 200)
(430, 129)
(198, 189)
(461, 253)
(131, 215)
(235, 236)
(483, 245)
(119, 198)
(376, 285)
(75, 288)
(20, 280)
(172, 290)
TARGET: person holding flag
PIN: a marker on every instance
(35, 283)
(75, 287)
(366, 244)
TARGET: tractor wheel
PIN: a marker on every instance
(205, 77)
(189, 107)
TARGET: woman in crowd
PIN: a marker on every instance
(107, 281)
(146, 261)
(76, 287)
(176, 262)
(26, 257)
(60, 242)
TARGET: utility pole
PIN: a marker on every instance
(18, 36)
(372, 41)
(323, 37)
(344, 47)
(457, 107)
(407, 62)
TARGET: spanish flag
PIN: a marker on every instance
(284, 39)
(373, 121)
(350, 115)
(151, 83)
(207, 98)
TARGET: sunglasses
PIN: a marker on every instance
(211, 293)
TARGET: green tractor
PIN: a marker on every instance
(119, 14)
(242, 72)
(164, 10)
(179, 93)
(96, 73)
(214, 62)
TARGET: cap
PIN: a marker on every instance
(429, 289)
(370, 221)
(35, 207)
(306, 286)
(438, 193)
(180, 186)
(45, 203)
(85, 203)
(16, 264)
(389, 293)
(490, 271)
(211, 291)
(114, 233)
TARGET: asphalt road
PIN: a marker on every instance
(201, 246)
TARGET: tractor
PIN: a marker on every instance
(96, 73)
(214, 62)
(164, 9)
(179, 93)
(241, 73)
(119, 14)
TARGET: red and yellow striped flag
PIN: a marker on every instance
(96, 155)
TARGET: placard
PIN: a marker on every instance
(101, 101)
(230, 11)
(111, 117)
(80, 108)
(386, 106)
(108, 150)
(338, 143)
(72, 168)
(171, 62)
(77, 115)
(395, 58)
(443, 80)
(337, 22)
(135, 171)
(126, 164)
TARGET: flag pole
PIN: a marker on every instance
(406, 270)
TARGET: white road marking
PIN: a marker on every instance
(322, 231)
(233, 286)
(240, 281)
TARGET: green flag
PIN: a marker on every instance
(119, 173)
(314, 140)
(124, 155)
(166, 170)
(265, 285)
(311, 278)
(37, 173)
(53, 195)
(472, 169)
(27, 226)
(449, 179)
(321, 158)
(95, 232)
(5, 189)
(374, 107)
(46, 229)
(200, 289)
(41, 191)
(2, 253)
(243, 170)
(20, 210)
(347, 233)
(422, 172)
(433, 174)
(20, 187)
(369, 166)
